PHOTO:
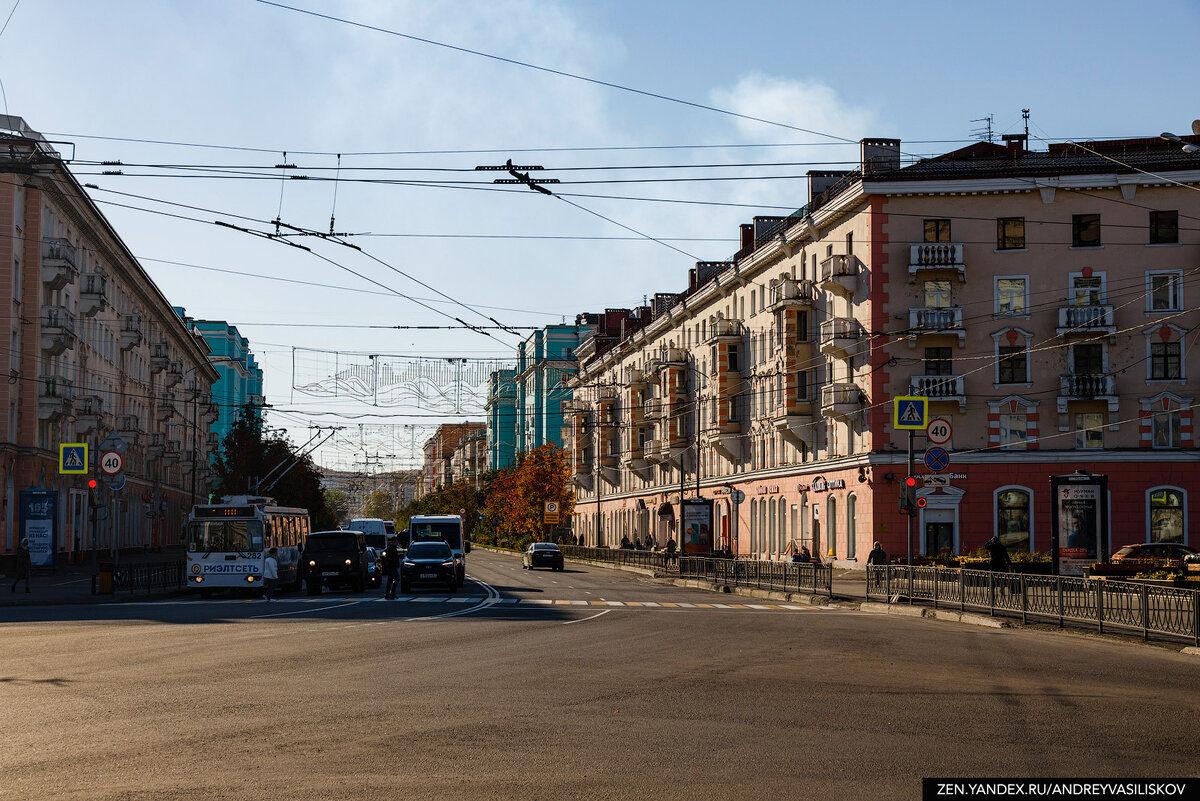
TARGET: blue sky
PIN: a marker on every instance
(244, 74)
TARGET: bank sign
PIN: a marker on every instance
(1079, 522)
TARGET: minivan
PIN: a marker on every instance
(374, 528)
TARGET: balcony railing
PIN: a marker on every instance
(936, 256)
(1088, 385)
(1086, 320)
(936, 320)
(58, 330)
(840, 400)
(840, 274)
(56, 397)
(725, 329)
(58, 263)
(93, 294)
(131, 331)
(938, 387)
(789, 291)
(840, 336)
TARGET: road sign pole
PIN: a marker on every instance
(912, 520)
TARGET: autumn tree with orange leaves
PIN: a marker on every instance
(518, 496)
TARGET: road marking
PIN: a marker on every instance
(687, 606)
(669, 604)
(307, 611)
(649, 603)
(593, 617)
(759, 606)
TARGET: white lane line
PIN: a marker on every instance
(542, 601)
(687, 606)
(649, 603)
(593, 617)
(492, 595)
(615, 603)
(723, 606)
(758, 606)
(307, 611)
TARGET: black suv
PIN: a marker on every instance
(429, 563)
(334, 558)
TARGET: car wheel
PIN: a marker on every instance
(314, 587)
(452, 587)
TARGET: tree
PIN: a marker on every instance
(379, 505)
(249, 464)
(338, 503)
(518, 496)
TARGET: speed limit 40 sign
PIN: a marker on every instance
(939, 431)
(111, 463)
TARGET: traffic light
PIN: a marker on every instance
(908, 495)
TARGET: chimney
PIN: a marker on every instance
(820, 180)
(880, 155)
(747, 236)
(1015, 144)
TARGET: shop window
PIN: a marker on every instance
(1013, 517)
(1166, 515)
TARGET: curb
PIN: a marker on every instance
(84, 600)
(968, 618)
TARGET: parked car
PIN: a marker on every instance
(429, 562)
(334, 558)
(542, 554)
(374, 559)
(1171, 553)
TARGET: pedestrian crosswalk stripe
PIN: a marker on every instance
(614, 603)
(759, 606)
(649, 603)
(669, 604)
(687, 606)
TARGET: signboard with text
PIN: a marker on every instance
(1079, 522)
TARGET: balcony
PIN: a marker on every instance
(794, 421)
(171, 451)
(58, 263)
(724, 330)
(841, 400)
(840, 274)
(1086, 321)
(652, 408)
(154, 451)
(159, 357)
(655, 451)
(940, 388)
(1088, 387)
(93, 294)
(635, 379)
(128, 428)
(213, 439)
(841, 337)
(174, 372)
(57, 330)
(789, 292)
(88, 410)
(927, 320)
(131, 331)
(56, 397)
(166, 408)
(936, 257)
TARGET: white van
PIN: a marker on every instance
(374, 528)
(442, 528)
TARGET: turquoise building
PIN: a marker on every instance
(501, 419)
(546, 361)
(241, 380)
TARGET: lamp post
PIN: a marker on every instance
(1187, 147)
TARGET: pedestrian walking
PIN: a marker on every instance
(24, 564)
(391, 567)
(270, 574)
(877, 556)
(671, 546)
(999, 560)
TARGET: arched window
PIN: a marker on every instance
(1014, 507)
(1166, 515)
(754, 526)
(772, 540)
(831, 522)
(851, 526)
(762, 527)
(783, 537)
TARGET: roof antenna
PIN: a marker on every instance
(336, 181)
(1025, 116)
(983, 133)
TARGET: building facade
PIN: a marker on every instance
(546, 362)
(96, 354)
(1040, 300)
(501, 419)
(438, 470)
(240, 386)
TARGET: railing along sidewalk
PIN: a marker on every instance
(148, 577)
(1137, 606)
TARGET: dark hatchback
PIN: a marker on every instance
(542, 554)
(334, 559)
(429, 563)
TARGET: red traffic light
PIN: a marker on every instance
(921, 502)
(92, 483)
(910, 481)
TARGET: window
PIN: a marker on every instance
(851, 526)
(1085, 230)
(1164, 227)
(938, 361)
(831, 521)
(1088, 359)
(1012, 365)
(1013, 430)
(1010, 233)
(1165, 361)
(1166, 428)
(1012, 519)
(1087, 290)
(1166, 515)
(734, 361)
(1010, 296)
(1089, 430)
(937, 230)
(802, 386)
(1165, 291)
(937, 294)
(850, 243)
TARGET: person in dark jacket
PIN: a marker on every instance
(877, 556)
(391, 567)
(999, 560)
(671, 546)
(24, 564)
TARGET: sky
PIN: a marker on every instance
(651, 141)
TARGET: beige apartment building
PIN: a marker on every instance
(95, 354)
(1043, 301)
(455, 452)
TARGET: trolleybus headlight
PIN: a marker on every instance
(199, 579)
(250, 579)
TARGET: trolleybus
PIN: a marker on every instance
(227, 543)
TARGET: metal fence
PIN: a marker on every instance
(148, 577)
(783, 576)
(650, 560)
(1151, 609)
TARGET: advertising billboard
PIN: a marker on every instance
(1080, 522)
(39, 524)
(697, 525)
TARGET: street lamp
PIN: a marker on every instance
(1187, 147)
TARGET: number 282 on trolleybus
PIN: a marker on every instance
(227, 543)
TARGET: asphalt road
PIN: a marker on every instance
(590, 683)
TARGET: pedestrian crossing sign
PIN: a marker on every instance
(910, 412)
(73, 458)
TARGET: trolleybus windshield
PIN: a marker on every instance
(226, 535)
(449, 532)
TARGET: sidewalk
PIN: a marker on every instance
(72, 583)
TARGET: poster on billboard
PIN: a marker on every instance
(39, 524)
(1080, 522)
(697, 525)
